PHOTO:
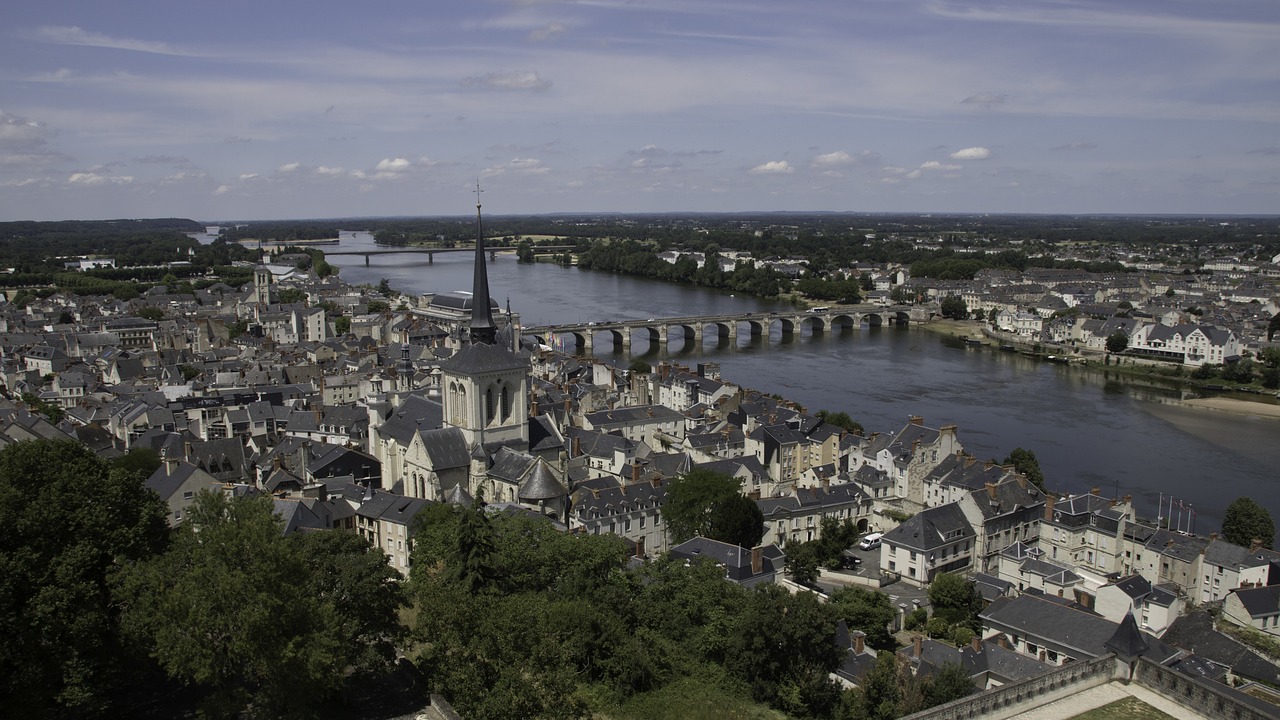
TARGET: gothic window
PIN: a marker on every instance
(460, 416)
(490, 410)
(506, 403)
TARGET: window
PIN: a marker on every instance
(188, 495)
(642, 522)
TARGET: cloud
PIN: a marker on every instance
(985, 99)
(94, 179)
(971, 153)
(71, 35)
(183, 177)
(322, 170)
(15, 129)
(1270, 150)
(1076, 146)
(248, 176)
(235, 139)
(546, 33)
(162, 160)
(289, 167)
(840, 158)
(393, 165)
(507, 81)
(773, 167)
(935, 165)
(222, 190)
(517, 166)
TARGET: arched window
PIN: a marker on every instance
(460, 417)
(506, 403)
(490, 410)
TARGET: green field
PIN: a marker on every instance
(1129, 708)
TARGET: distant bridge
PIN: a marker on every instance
(726, 327)
(431, 252)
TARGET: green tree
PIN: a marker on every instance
(1240, 371)
(150, 313)
(840, 420)
(867, 610)
(69, 520)
(782, 646)
(472, 566)
(950, 682)
(1025, 462)
(140, 462)
(880, 694)
(1270, 357)
(342, 325)
(640, 366)
(292, 295)
(1246, 520)
(1273, 327)
(710, 504)
(955, 599)
(1117, 342)
(802, 562)
(955, 308)
(378, 306)
(263, 622)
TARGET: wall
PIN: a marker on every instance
(1009, 700)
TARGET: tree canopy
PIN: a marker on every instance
(1246, 520)
(69, 521)
(1025, 462)
(261, 621)
(710, 504)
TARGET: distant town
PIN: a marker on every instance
(250, 369)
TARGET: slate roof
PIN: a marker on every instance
(1079, 632)
(397, 509)
(446, 448)
(814, 499)
(541, 484)
(1260, 602)
(736, 560)
(479, 358)
(931, 529)
(1194, 633)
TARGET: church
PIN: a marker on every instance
(480, 439)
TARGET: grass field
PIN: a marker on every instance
(1129, 708)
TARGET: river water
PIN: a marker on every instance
(1088, 430)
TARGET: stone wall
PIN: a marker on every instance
(1009, 700)
(1208, 697)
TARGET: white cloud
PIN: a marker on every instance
(772, 167)
(840, 158)
(547, 32)
(222, 190)
(935, 165)
(985, 99)
(322, 170)
(248, 176)
(19, 129)
(507, 81)
(91, 178)
(971, 153)
(393, 165)
(289, 167)
(70, 35)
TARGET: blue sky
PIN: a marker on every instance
(278, 109)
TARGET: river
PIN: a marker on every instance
(1088, 430)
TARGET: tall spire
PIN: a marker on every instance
(483, 330)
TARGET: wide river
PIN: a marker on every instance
(1087, 430)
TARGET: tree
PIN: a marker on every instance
(1270, 357)
(292, 295)
(1117, 342)
(342, 325)
(955, 599)
(1025, 462)
(640, 366)
(384, 287)
(840, 420)
(1273, 327)
(881, 691)
(979, 315)
(802, 562)
(140, 462)
(261, 621)
(955, 308)
(378, 306)
(150, 313)
(69, 520)
(1246, 520)
(710, 504)
(782, 647)
(1240, 371)
(472, 566)
(867, 610)
(950, 682)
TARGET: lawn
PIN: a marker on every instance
(1130, 708)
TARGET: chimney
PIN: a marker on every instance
(568, 406)
(757, 561)
(917, 647)
(1022, 480)
(859, 642)
(754, 494)
(533, 407)
(917, 420)
(1002, 641)
(640, 547)
(976, 644)
(1048, 507)
(577, 446)
(1127, 499)
(1095, 491)
(1255, 545)
(991, 491)
(1213, 536)
(635, 471)
(656, 481)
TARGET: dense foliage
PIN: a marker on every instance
(1025, 462)
(69, 521)
(1245, 520)
(710, 504)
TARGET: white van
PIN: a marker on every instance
(870, 541)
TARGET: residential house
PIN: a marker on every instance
(934, 540)
(746, 567)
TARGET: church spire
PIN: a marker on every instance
(483, 331)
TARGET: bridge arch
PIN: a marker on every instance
(873, 319)
(845, 321)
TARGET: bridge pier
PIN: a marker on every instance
(431, 258)
(493, 255)
(366, 259)
(588, 341)
(663, 331)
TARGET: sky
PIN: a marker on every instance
(278, 109)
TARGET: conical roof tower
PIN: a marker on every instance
(483, 331)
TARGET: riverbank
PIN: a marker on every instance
(1236, 406)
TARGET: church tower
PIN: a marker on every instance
(485, 385)
(261, 285)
